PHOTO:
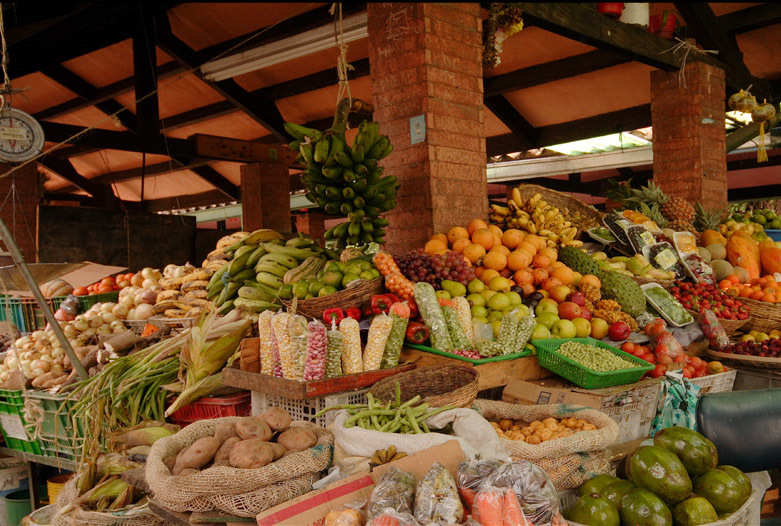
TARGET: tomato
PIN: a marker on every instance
(628, 347)
(107, 281)
(80, 291)
(664, 359)
(104, 288)
(681, 358)
(697, 362)
(128, 276)
(658, 371)
(687, 373)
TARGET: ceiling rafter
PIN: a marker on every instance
(751, 18)
(526, 133)
(65, 169)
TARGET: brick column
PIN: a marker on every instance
(265, 197)
(690, 158)
(25, 206)
(426, 60)
(311, 222)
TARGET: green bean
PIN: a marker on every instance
(412, 421)
(411, 401)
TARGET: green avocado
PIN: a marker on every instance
(660, 471)
(725, 493)
(596, 484)
(694, 511)
(641, 507)
(696, 453)
(615, 491)
(593, 510)
(738, 475)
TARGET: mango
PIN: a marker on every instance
(696, 453)
(740, 477)
(660, 471)
(694, 511)
(641, 507)
(743, 251)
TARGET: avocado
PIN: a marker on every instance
(725, 493)
(615, 491)
(658, 470)
(596, 484)
(694, 511)
(593, 510)
(738, 475)
(641, 507)
(696, 453)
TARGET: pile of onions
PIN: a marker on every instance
(36, 354)
(136, 303)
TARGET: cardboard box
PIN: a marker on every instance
(311, 509)
(88, 274)
(559, 391)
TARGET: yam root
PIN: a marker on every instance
(224, 453)
(251, 454)
(250, 427)
(188, 471)
(43, 379)
(200, 453)
(297, 439)
(225, 431)
(277, 419)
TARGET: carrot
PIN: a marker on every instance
(468, 498)
(513, 514)
(488, 508)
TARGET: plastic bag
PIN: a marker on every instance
(436, 498)
(347, 515)
(677, 403)
(536, 493)
(391, 517)
(666, 344)
(470, 476)
(395, 490)
(713, 330)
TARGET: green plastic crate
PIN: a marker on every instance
(20, 312)
(60, 437)
(88, 301)
(12, 405)
(579, 374)
(464, 358)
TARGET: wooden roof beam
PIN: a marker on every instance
(65, 169)
(751, 18)
(213, 177)
(526, 133)
(145, 73)
(126, 141)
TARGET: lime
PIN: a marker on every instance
(315, 287)
(325, 291)
(759, 218)
(349, 278)
(286, 292)
(309, 296)
(341, 266)
(331, 266)
(353, 268)
(364, 265)
(333, 278)
(300, 289)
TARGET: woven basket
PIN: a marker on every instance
(438, 385)
(354, 296)
(764, 316)
(561, 200)
(730, 326)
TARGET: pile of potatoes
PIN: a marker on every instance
(538, 431)
(251, 443)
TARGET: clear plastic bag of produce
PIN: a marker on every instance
(499, 507)
(395, 490)
(470, 476)
(713, 330)
(436, 498)
(536, 494)
(350, 514)
(664, 343)
(391, 517)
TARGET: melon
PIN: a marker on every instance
(721, 269)
(717, 251)
(742, 274)
(704, 254)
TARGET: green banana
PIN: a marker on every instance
(315, 175)
(261, 236)
(255, 257)
(300, 242)
(337, 144)
(372, 211)
(370, 193)
(359, 185)
(333, 192)
(371, 164)
(367, 225)
(255, 306)
(387, 151)
(322, 147)
(344, 159)
(373, 178)
(366, 237)
(311, 197)
(298, 253)
(386, 182)
(379, 240)
(300, 132)
(252, 293)
(378, 148)
(238, 264)
(357, 153)
(294, 145)
(266, 278)
(361, 170)
(329, 234)
(228, 293)
(225, 308)
(320, 190)
(265, 288)
(340, 230)
(244, 274)
(280, 259)
(271, 267)
(214, 290)
(332, 208)
(346, 208)
(358, 203)
(331, 254)
(333, 172)
(307, 152)
(380, 222)
(348, 193)
(217, 276)
(355, 228)
(349, 175)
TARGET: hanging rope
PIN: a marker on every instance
(687, 46)
(6, 88)
(342, 66)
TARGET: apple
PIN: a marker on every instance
(599, 328)
(564, 329)
(547, 319)
(577, 297)
(619, 331)
(559, 293)
(569, 310)
(540, 332)
(583, 327)
(547, 305)
(585, 313)
(515, 298)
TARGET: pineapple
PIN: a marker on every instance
(649, 195)
(678, 209)
(708, 219)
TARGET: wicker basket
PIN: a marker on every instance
(438, 385)
(764, 316)
(730, 326)
(560, 200)
(354, 296)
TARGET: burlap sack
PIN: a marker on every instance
(568, 461)
(242, 492)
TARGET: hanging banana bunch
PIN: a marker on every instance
(347, 180)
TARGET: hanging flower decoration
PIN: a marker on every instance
(503, 22)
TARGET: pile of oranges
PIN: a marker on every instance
(765, 289)
(523, 257)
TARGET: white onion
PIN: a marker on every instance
(37, 335)
(4, 376)
(109, 317)
(122, 310)
(106, 307)
(57, 369)
(69, 331)
(144, 312)
(95, 321)
(58, 352)
(46, 358)
(92, 331)
(81, 325)
(35, 373)
(104, 329)
(11, 362)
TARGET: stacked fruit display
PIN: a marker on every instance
(317, 279)
(677, 481)
(184, 292)
(345, 180)
(637, 265)
(417, 265)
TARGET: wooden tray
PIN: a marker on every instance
(751, 361)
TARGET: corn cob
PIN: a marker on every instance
(333, 360)
(375, 344)
(429, 308)
(282, 334)
(457, 334)
(316, 349)
(507, 332)
(390, 357)
(299, 333)
(275, 352)
(461, 305)
(267, 360)
(352, 361)
(525, 327)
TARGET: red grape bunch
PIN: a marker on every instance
(417, 265)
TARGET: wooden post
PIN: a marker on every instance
(265, 197)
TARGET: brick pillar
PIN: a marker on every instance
(690, 158)
(24, 207)
(311, 222)
(265, 197)
(426, 60)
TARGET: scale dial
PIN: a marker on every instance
(21, 137)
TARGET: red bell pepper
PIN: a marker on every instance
(393, 298)
(334, 313)
(366, 311)
(413, 309)
(417, 332)
(354, 313)
(380, 303)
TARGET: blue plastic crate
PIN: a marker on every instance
(775, 235)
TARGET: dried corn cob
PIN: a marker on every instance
(461, 305)
(454, 329)
(333, 360)
(508, 329)
(299, 333)
(428, 306)
(375, 343)
(316, 349)
(352, 360)
(525, 327)
(281, 332)
(390, 357)
(267, 360)
(275, 352)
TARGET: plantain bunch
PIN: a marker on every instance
(383, 456)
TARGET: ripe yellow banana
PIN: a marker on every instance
(516, 196)
(500, 210)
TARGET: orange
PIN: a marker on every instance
(461, 244)
(757, 295)
(439, 251)
(769, 290)
(442, 237)
(557, 264)
(435, 244)
(592, 279)
(474, 252)
(746, 292)
(538, 242)
(512, 238)
(563, 274)
(456, 233)
(541, 261)
(518, 259)
(528, 247)
(488, 275)
(479, 272)
(733, 291)
(550, 283)
(725, 284)
(496, 231)
(495, 260)
(528, 288)
(769, 298)
(734, 279)
(475, 224)
(552, 253)
(540, 275)
(483, 237)
(500, 248)
(523, 277)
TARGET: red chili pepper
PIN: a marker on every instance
(380, 303)
(417, 332)
(334, 313)
(354, 313)
(413, 308)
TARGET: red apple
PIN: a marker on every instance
(569, 310)
(617, 331)
(577, 297)
(585, 313)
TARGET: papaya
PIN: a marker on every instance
(743, 251)
(615, 491)
(770, 257)
(710, 237)
(739, 476)
(696, 453)
(725, 494)
(593, 510)
(694, 511)
(660, 471)
(596, 484)
(641, 507)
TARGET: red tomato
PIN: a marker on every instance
(681, 358)
(697, 362)
(658, 371)
(665, 359)
(687, 372)
(128, 276)
(628, 347)
(81, 291)
(107, 281)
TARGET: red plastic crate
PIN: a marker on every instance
(214, 407)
